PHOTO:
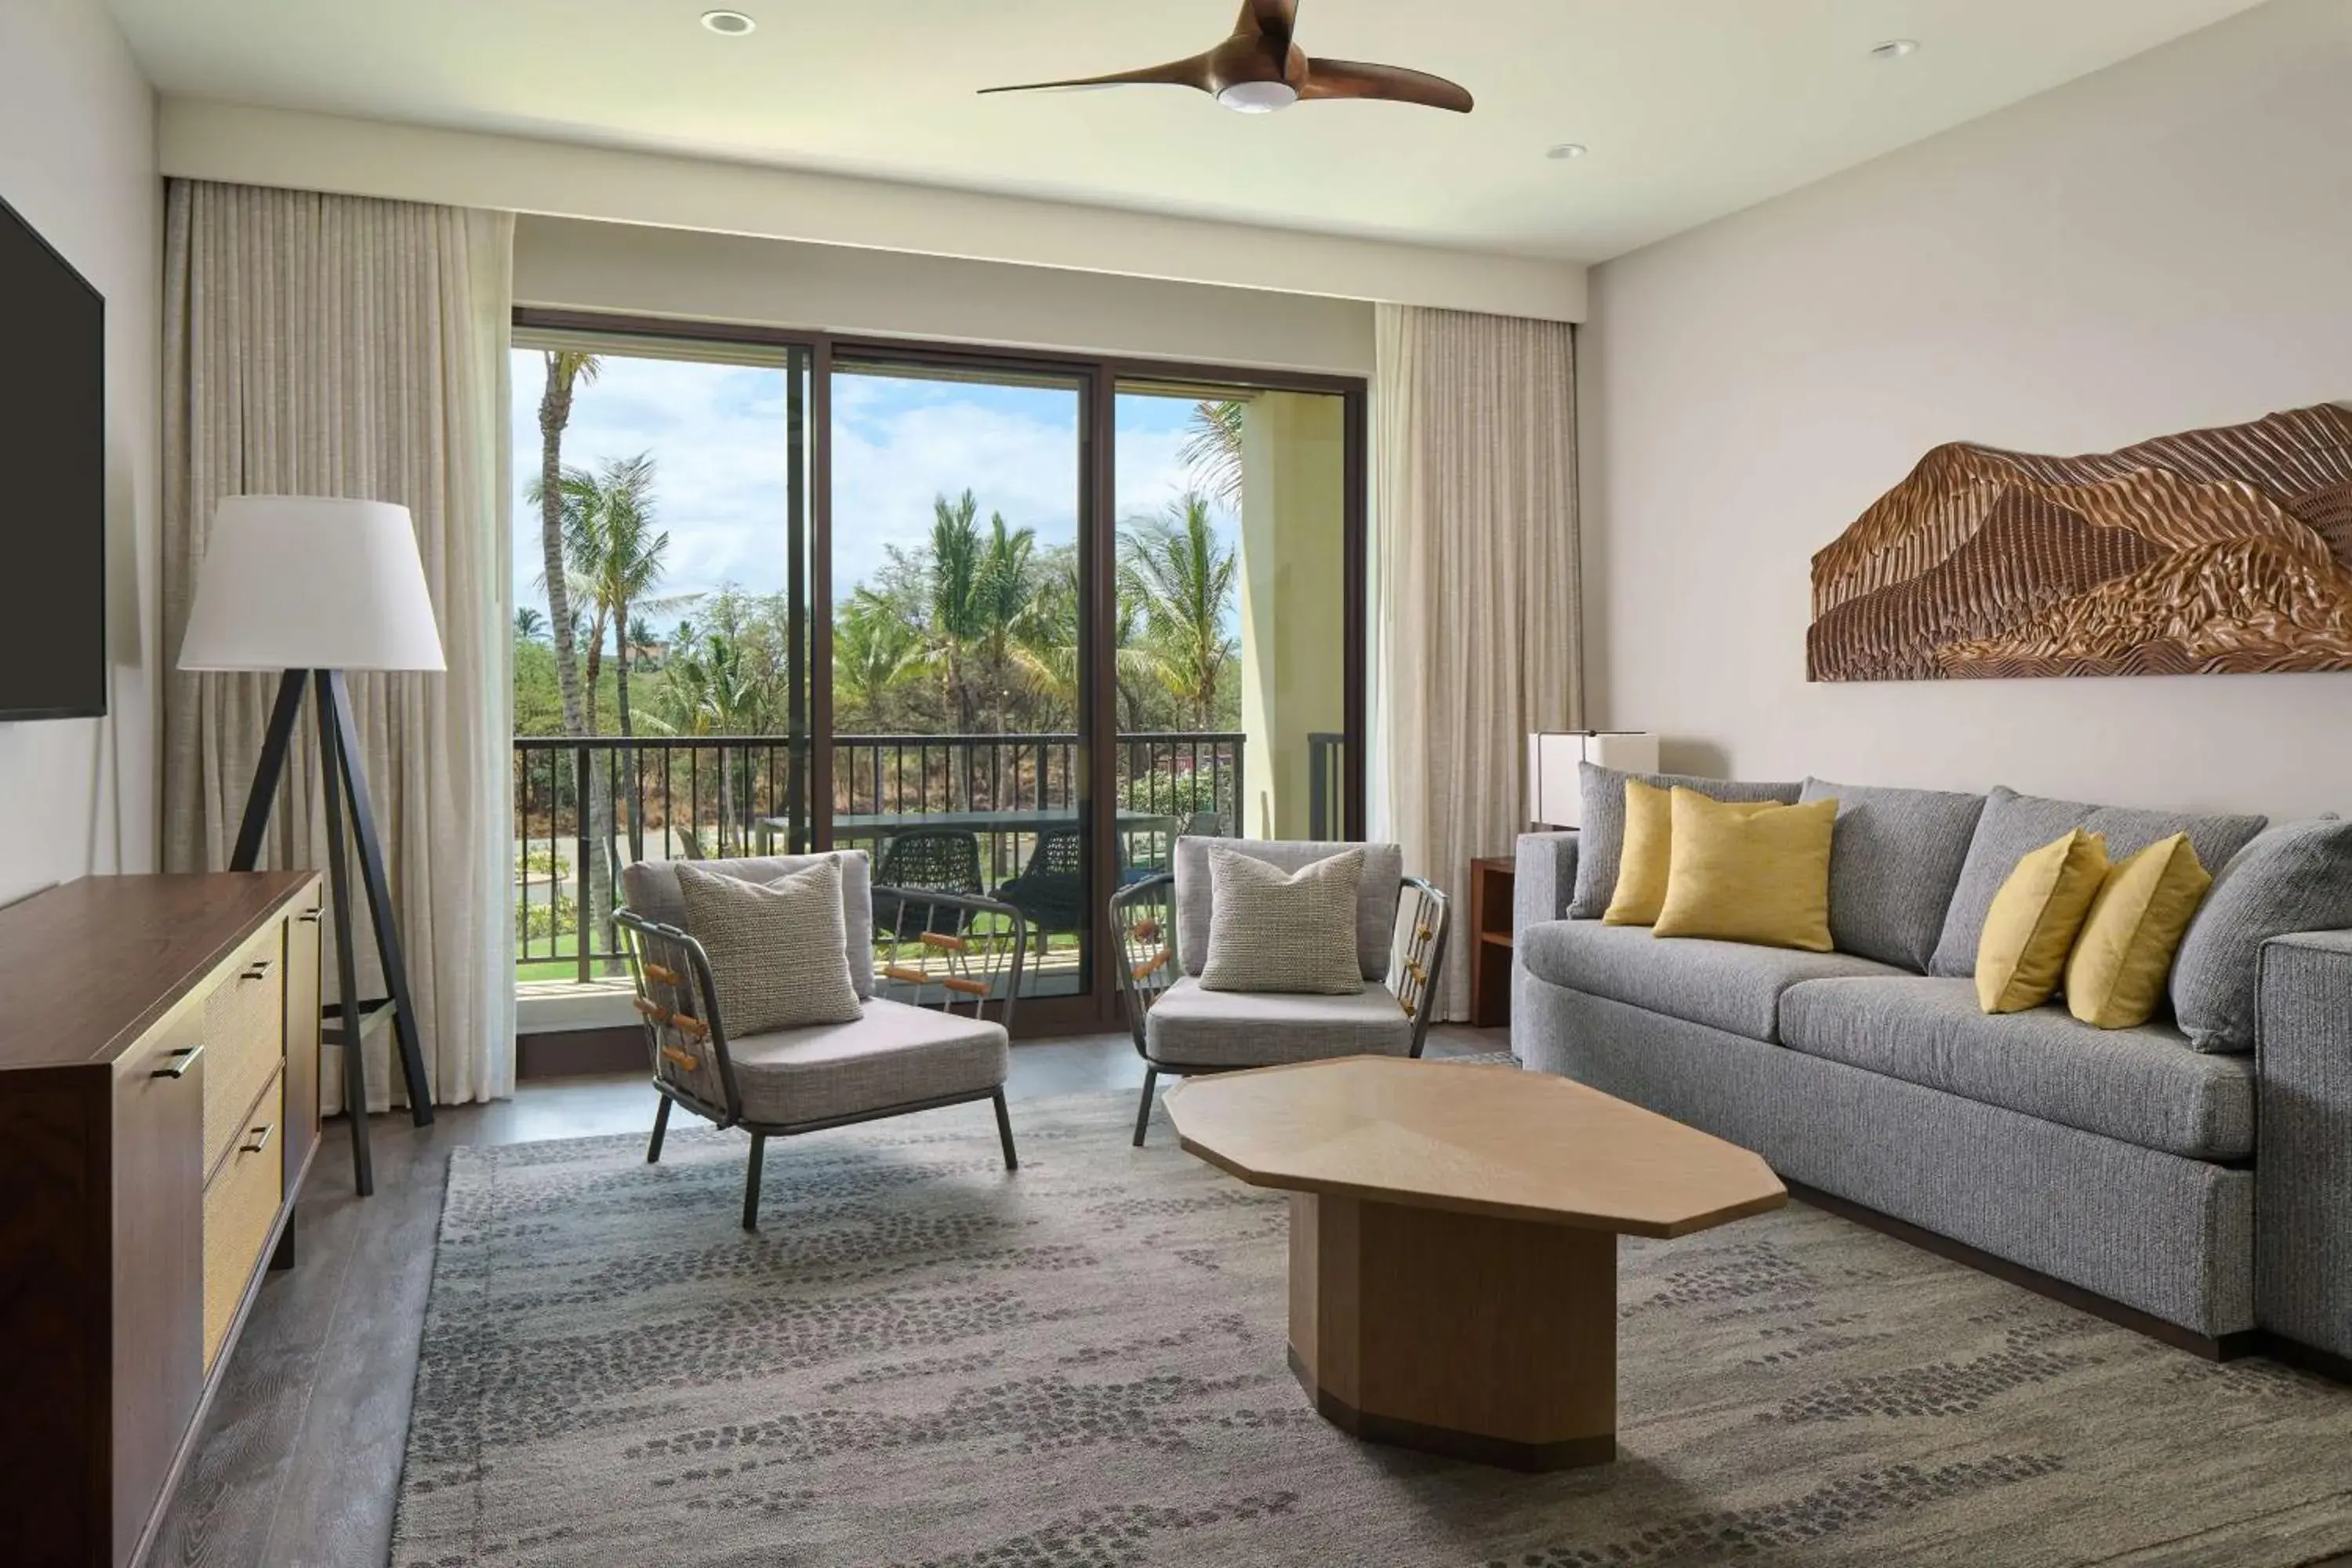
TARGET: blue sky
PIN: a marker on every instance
(717, 434)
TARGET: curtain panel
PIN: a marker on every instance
(341, 346)
(1476, 588)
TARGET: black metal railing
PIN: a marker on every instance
(584, 808)
(1326, 787)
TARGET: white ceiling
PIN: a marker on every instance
(1691, 107)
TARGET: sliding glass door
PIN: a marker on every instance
(1011, 623)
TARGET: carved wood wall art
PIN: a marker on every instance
(2215, 552)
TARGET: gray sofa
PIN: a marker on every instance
(2206, 1186)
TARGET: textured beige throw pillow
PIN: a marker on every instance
(778, 951)
(1272, 931)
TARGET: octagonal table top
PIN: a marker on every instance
(1471, 1138)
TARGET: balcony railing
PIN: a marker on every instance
(583, 807)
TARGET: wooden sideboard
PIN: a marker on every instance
(159, 1105)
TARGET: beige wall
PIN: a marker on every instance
(78, 159)
(1293, 599)
(2163, 246)
(730, 278)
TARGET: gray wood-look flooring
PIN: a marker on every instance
(299, 1456)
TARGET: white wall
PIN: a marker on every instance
(414, 163)
(78, 159)
(2164, 246)
(733, 277)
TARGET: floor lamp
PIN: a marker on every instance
(312, 587)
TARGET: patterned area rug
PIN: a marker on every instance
(924, 1361)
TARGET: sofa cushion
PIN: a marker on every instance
(1274, 931)
(778, 953)
(1601, 835)
(650, 888)
(895, 1055)
(2142, 1086)
(1893, 866)
(1732, 985)
(1191, 1026)
(2015, 824)
(2297, 877)
(1376, 896)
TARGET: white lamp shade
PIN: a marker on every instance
(310, 582)
(1555, 791)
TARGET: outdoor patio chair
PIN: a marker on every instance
(1181, 1028)
(933, 861)
(933, 1031)
(1051, 890)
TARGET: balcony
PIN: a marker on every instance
(1002, 800)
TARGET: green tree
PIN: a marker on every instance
(877, 654)
(1183, 583)
(565, 372)
(1212, 448)
(980, 586)
(529, 623)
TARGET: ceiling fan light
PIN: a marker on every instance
(1259, 97)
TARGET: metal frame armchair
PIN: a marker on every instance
(932, 1046)
(1230, 1031)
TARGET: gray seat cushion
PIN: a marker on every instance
(2014, 825)
(650, 888)
(1190, 1026)
(1602, 836)
(2142, 1086)
(894, 1055)
(1893, 865)
(1730, 985)
(2295, 877)
(1376, 895)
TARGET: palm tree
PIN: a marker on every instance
(875, 651)
(1183, 581)
(711, 689)
(1211, 450)
(565, 371)
(529, 623)
(980, 586)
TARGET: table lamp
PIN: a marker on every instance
(313, 587)
(1555, 797)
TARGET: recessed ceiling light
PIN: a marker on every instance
(1895, 49)
(728, 24)
(1566, 151)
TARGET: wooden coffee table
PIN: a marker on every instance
(1454, 1240)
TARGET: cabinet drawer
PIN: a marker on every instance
(244, 1039)
(240, 1206)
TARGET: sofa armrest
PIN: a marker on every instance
(1544, 879)
(2303, 1203)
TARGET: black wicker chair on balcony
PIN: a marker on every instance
(1051, 890)
(933, 860)
(1181, 1028)
(928, 1030)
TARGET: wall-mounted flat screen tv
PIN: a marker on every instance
(53, 660)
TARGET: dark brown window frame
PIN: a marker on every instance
(1098, 377)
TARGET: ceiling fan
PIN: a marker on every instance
(1259, 70)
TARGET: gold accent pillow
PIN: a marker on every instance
(1646, 859)
(2125, 954)
(2033, 920)
(1748, 873)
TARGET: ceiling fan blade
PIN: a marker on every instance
(1192, 73)
(1272, 20)
(1398, 84)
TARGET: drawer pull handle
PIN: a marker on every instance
(309, 917)
(260, 1140)
(182, 1060)
(259, 968)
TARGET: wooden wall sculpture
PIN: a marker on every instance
(2218, 551)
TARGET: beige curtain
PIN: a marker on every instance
(1474, 585)
(337, 346)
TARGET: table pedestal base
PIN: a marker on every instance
(1475, 1337)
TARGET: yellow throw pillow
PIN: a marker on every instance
(1749, 873)
(1646, 859)
(2031, 924)
(2125, 954)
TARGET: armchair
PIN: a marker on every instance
(1181, 1028)
(927, 1038)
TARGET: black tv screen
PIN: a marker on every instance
(53, 502)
